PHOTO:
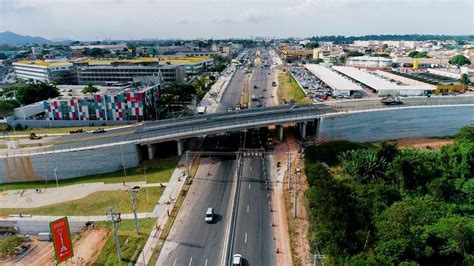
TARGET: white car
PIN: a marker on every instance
(229, 109)
(237, 259)
(209, 215)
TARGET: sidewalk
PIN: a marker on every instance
(30, 198)
(212, 98)
(165, 204)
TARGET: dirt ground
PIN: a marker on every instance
(298, 226)
(86, 250)
(424, 143)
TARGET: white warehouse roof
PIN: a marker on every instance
(375, 82)
(332, 79)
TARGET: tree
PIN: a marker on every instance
(311, 45)
(7, 106)
(202, 85)
(89, 89)
(464, 80)
(354, 53)
(416, 54)
(459, 60)
(32, 93)
(3, 56)
(363, 165)
(219, 63)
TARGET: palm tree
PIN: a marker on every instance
(90, 89)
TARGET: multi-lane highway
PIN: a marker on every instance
(191, 240)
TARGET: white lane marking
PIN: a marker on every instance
(249, 186)
(174, 264)
(250, 168)
(245, 237)
(205, 264)
(248, 208)
(190, 261)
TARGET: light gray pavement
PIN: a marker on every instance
(191, 240)
(31, 198)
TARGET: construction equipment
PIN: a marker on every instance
(33, 136)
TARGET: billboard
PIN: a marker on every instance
(61, 239)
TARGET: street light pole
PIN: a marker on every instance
(56, 176)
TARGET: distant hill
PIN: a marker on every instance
(9, 37)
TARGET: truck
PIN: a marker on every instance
(391, 100)
(201, 110)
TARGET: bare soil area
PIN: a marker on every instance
(424, 143)
(86, 250)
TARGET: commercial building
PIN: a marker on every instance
(173, 70)
(382, 86)
(369, 62)
(340, 85)
(44, 71)
(127, 103)
(441, 84)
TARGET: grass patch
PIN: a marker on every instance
(8, 245)
(288, 90)
(157, 170)
(134, 245)
(96, 204)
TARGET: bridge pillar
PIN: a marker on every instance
(151, 151)
(303, 130)
(317, 125)
(280, 132)
(180, 143)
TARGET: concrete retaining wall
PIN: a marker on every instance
(396, 124)
(70, 164)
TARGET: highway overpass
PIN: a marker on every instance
(367, 120)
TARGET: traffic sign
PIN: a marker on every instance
(252, 153)
(61, 239)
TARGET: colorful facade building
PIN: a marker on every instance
(128, 104)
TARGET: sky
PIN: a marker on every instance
(165, 19)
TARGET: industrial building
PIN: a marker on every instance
(382, 86)
(44, 71)
(126, 103)
(369, 62)
(441, 84)
(340, 85)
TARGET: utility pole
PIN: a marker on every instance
(112, 214)
(295, 200)
(56, 176)
(123, 162)
(134, 204)
(289, 169)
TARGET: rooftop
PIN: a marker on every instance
(44, 63)
(374, 82)
(370, 58)
(173, 61)
(332, 79)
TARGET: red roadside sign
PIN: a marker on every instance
(61, 239)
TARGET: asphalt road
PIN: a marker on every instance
(231, 95)
(254, 232)
(191, 240)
